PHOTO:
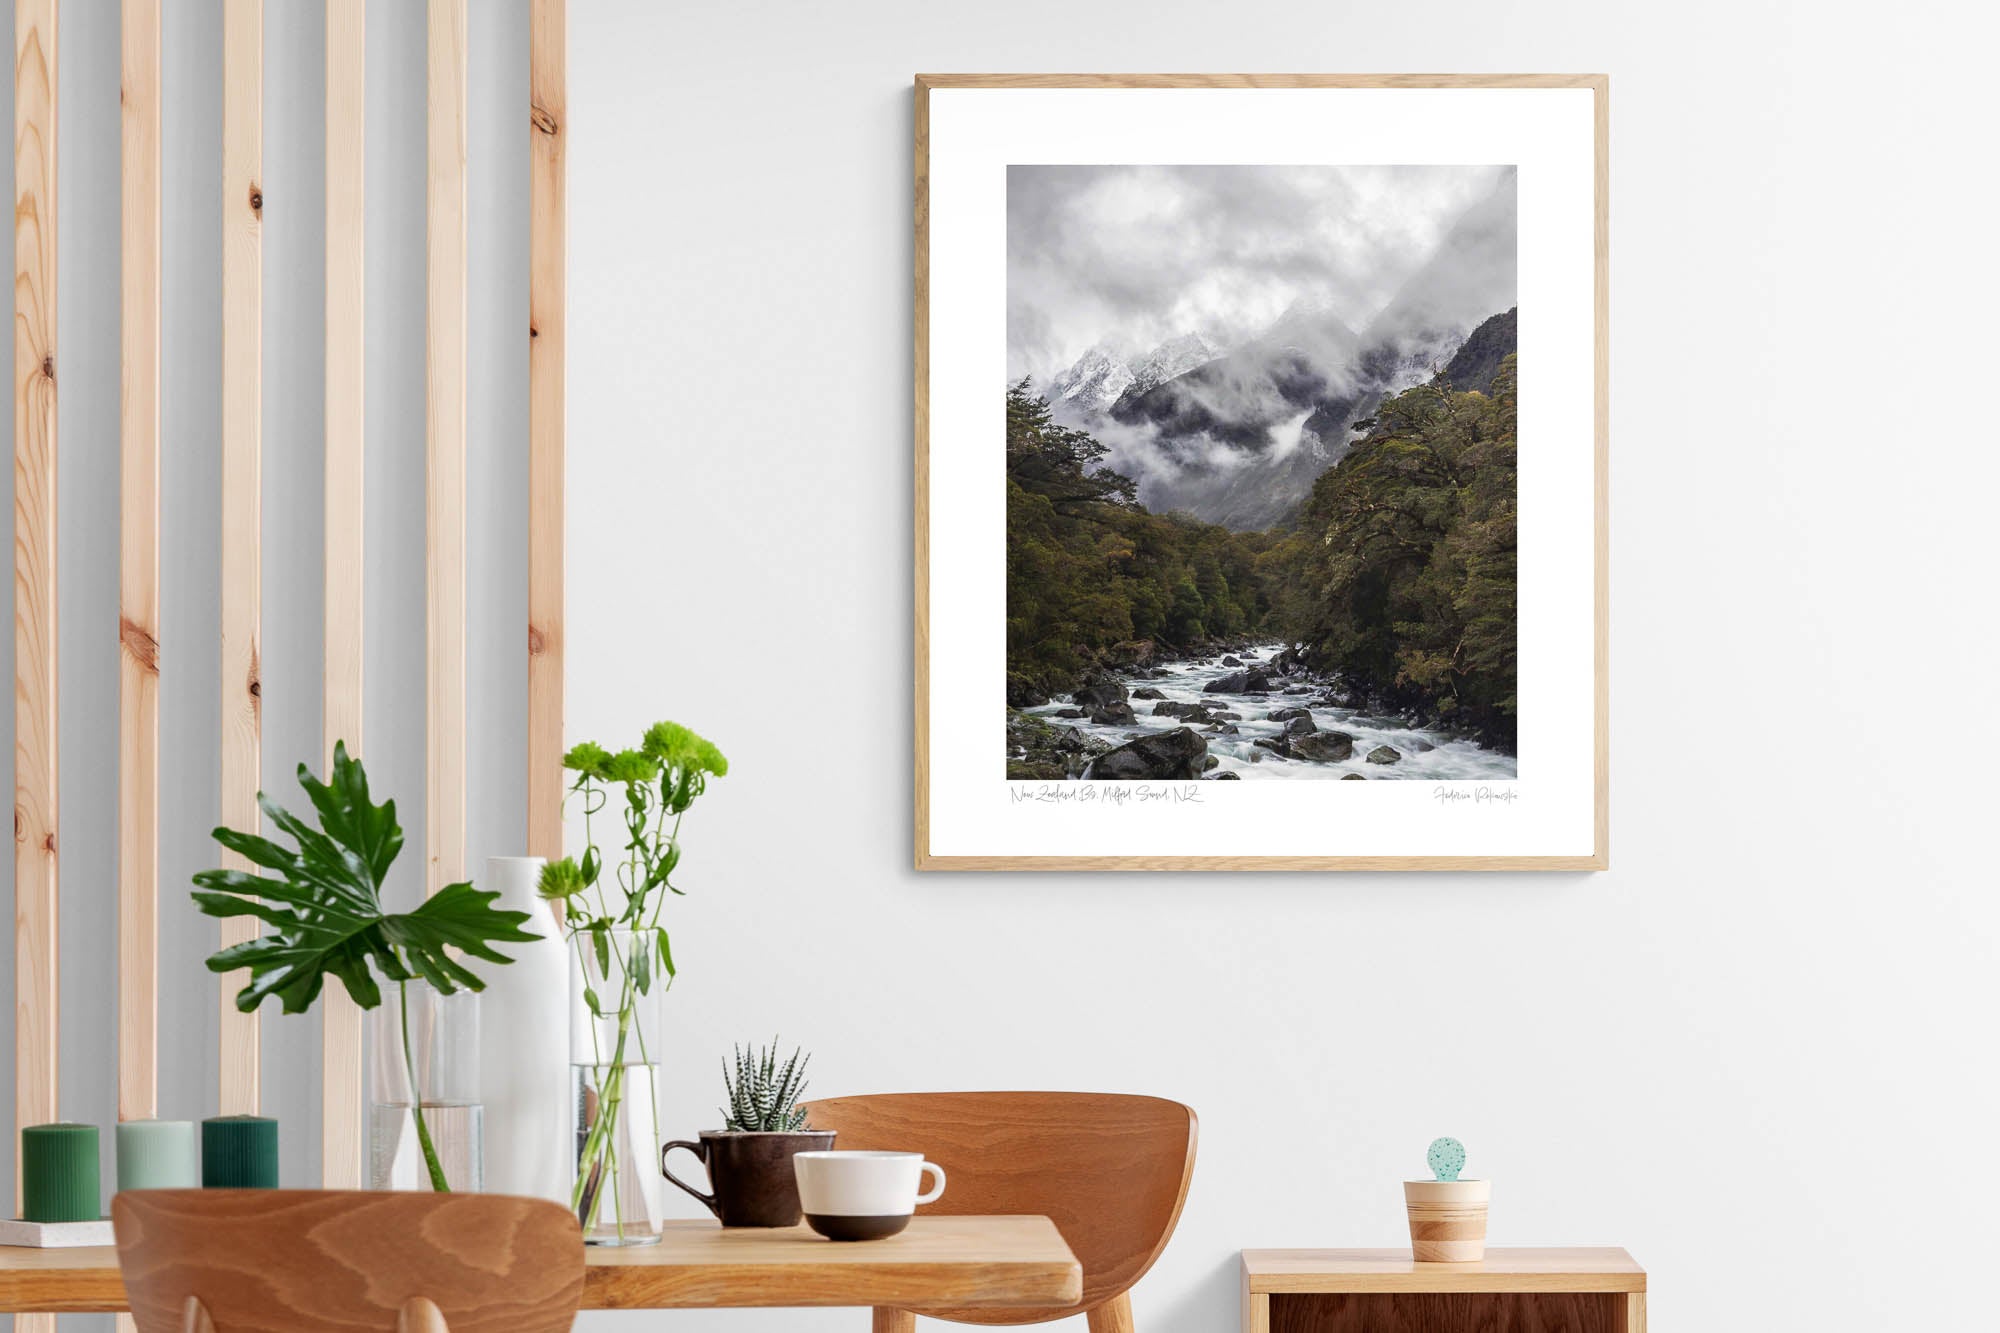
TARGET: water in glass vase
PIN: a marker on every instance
(396, 1154)
(619, 1195)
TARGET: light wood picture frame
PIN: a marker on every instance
(973, 134)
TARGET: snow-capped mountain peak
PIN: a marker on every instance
(1176, 356)
(1103, 374)
(1095, 381)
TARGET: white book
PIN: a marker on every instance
(55, 1235)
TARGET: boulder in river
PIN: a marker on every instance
(1147, 692)
(1210, 762)
(1384, 754)
(1223, 715)
(1186, 712)
(1285, 714)
(1071, 712)
(1225, 729)
(1302, 725)
(1278, 745)
(1160, 756)
(1225, 776)
(1103, 690)
(1353, 777)
(1326, 747)
(1115, 713)
(1420, 745)
(1232, 661)
(1250, 680)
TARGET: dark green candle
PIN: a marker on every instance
(59, 1174)
(239, 1152)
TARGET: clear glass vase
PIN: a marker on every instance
(614, 1053)
(437, 1048)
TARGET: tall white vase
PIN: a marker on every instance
(524, 1045)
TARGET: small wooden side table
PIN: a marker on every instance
(1385, 1291)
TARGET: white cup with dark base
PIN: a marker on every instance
(862, 1195)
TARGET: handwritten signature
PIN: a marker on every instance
(1451, 796)
(1092, 793)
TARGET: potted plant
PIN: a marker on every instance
(749, 1160)
(621, 965)
(1447, 1215)
(323, 917)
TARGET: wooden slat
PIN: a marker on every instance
(36, 987)
(343, 1136)
(242, 703)
(139, 568)
(139, 564)
(444, 359)
(548, 66)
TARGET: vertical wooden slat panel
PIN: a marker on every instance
(242, 547)
(548, 63)
(343, 1133)
(445, 358)
(35, 856)
(139, 563)
(139, 567)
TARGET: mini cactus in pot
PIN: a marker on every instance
(749, 1160)
(1447, 1214)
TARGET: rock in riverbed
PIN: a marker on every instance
(1147, 692)
(1162, 757)
(1384, 754)
(1284, 714)
(1101, 691)
(1252, 680)
(1326, 747)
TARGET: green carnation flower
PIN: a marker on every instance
(561, 879)
(631, 766)
(676, 747)
(588, 758)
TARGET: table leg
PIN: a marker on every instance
(1635, 1312)
(894, 1321)
(1114, 1316)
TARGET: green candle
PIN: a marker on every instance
(59, 1174)
(158, 1155)
(239, 1152)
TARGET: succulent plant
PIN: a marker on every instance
(1447, 1158)
(763, 1095)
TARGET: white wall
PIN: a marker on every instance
(1756, 1052)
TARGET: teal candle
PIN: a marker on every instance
(158, 1155)
(239, 1152)
(59, 1174)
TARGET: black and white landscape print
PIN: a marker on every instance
(1260, 427)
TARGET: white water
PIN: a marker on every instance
(1452, 759)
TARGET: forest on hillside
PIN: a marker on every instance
(1396, 575)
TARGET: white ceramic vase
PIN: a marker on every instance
(524, 1036)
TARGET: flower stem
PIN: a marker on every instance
(431, 1162)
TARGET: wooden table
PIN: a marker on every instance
(1367, 1291)
(940, 1262)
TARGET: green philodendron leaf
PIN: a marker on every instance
(322, 910)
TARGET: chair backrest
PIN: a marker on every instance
(341, 1261)
(1110, 1170)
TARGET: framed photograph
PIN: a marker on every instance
(1261, 433)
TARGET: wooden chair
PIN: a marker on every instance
(1111, 1171)
(340, 1261)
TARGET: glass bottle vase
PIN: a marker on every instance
(614, 1052)
(438, 1048)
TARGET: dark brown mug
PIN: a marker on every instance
(750, 1174)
